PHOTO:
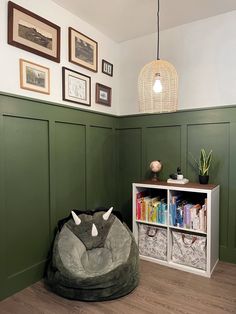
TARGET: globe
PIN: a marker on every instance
(155, 167)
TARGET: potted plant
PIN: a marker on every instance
(203, 165)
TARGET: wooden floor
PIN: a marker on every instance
(161, 290)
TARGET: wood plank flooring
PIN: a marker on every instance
(161, 290)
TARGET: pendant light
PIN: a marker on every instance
(158, 83)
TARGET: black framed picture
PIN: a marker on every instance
(107, 67)
(83, 50)
(76, 87)
(103, 94)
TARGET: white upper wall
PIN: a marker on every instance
(10, 55)
(203, 54)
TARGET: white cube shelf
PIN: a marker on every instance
(198, 191)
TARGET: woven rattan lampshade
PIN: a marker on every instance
(167, 99)
(158, 83)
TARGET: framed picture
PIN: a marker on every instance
(34, 77)
(33, 33)
(83, 50)
(76, 87)
(103, 94)
(107, 67)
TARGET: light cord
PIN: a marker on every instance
(158, 29)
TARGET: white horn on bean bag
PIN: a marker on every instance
(94, 231)
(77, 220)
(107, 214)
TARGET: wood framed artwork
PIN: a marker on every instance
(76, 87)
(107, 67)
(103, 94)
(34, 77)
(33, 33)
(83, 50)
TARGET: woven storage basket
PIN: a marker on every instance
(165, 101)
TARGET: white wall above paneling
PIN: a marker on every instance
(203, 54)
(10, 55)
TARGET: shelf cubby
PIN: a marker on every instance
(207, 198)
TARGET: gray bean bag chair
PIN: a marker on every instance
(94, 258)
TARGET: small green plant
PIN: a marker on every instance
(204, 162)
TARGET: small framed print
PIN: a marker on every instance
(103, 94)
(83, 50)
(34, 77)
(76, 87)
(107, 67)
(31, 32)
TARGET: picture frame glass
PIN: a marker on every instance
(34, 77)
(103, 94)
(82, 50)
(107, 68)
(76, 87)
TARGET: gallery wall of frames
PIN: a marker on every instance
(72, 58)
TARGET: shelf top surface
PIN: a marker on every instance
(190, 185)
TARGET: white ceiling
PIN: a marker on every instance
(122, 20)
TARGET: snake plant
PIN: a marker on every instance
(204, 162)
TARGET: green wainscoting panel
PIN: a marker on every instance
(101, 167)
(215, 137)
(26, 195)
(50, 163)
(129, 168)
(177, 134)
(70, 163)
(54, 158)
(164, 144)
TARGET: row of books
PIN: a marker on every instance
(151, 209)
(186, 215)
(182, 213)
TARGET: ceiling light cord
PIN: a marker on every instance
(158, 29)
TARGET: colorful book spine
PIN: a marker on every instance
(143, 210)
(139, 197)
(152, 217)
(202, 219)
(179, 216)
(163, 212)
(187, 215)
(195, 223)
(173, 210)
(138, 208)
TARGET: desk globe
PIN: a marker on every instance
(155, 167)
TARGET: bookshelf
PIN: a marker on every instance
(186, 220)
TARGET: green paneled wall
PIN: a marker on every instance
(170, 138)
(26, 195)
(129, 145)
(55, 158)
(101, 167)
(165, 143)
(70, 171)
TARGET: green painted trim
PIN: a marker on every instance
(232, 188)
(68, 106)
(2, 215)
(176, 112)
(25, 278)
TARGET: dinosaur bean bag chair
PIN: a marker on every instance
(94, 257)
